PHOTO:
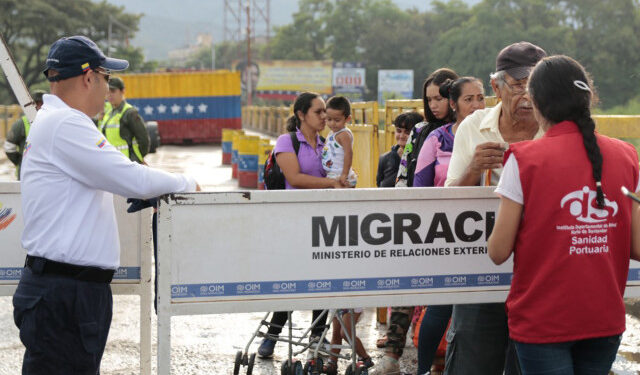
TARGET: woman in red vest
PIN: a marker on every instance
(570, 228)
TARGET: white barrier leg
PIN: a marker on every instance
(164, 344)
(163, 261)
(145, 294)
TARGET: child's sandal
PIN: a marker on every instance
(367, 362)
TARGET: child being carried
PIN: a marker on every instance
(337, 155)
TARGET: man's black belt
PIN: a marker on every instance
(43, 266)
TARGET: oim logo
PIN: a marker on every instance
(582, 205)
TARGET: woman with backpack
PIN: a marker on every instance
(298, 154)
(437, 113)
(303, 170)
(465, 96)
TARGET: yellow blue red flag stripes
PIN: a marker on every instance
(188, 106)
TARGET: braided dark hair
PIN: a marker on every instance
(303, 103)
(561, 90)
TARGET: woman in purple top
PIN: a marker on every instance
(301, 171)
(466, 95)
(304, 171)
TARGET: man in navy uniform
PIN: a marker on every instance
(63, 303)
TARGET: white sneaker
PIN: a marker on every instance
(388, 366)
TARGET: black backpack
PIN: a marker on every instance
(273, 176)
(412, 158)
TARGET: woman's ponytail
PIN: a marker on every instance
(293, 123)
(445, 88)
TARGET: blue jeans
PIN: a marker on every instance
(433, 326)
(582, 357)
(479, 341)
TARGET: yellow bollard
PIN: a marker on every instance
(248, 161)
(227, 140)
(365, 154)
(235, 137)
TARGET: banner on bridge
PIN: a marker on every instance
(332, 243)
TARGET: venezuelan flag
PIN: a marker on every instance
(188, 106)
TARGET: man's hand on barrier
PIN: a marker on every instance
(140, 204)
(198, 188)
(487, 156)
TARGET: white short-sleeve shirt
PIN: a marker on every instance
(481, 126)
(510, 185)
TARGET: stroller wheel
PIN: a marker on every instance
(252, 362)
(318, 366)
(285, 369)
(306, 370)
(297, 368)
(237, 363)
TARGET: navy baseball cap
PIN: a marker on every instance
(72, 56)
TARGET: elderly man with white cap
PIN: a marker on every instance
(478, 337)
(63, 303)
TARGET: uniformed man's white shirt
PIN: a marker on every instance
(69, 172)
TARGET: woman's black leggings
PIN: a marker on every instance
(279, 318)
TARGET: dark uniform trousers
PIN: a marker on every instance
(63, 322)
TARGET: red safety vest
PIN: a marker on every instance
(571, 259)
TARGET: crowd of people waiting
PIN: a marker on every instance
(538, 132)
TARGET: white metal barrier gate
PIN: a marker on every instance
(311, 249)
(132, 278)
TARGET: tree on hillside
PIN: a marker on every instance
(394, 39)
(471, 47)
(346, 26)
(601, 34)
(305, 38)
(30, 26)
(607, 44)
